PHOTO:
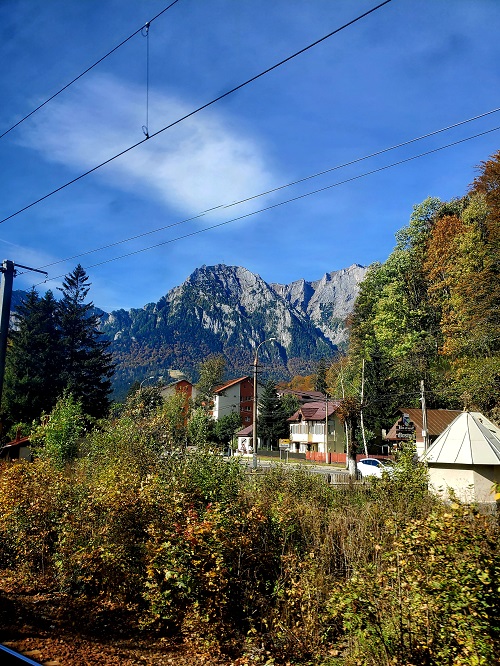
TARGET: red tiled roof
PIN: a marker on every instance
(232, 382)
(314, 411)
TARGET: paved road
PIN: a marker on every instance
(325, 470)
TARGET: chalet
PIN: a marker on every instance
(409, 427)
(307, 431)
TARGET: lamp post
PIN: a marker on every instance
(254, 427)
(145, 380)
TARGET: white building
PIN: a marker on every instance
(235, 396)
(465, 459)
(307, 429)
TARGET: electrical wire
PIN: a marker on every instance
(192, 113)
(275, 189)
(287, 201)
(40, 106)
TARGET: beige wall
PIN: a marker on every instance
(469, 483)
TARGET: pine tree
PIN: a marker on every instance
(320, 383)
(87, 365)
(272, 420)
(33, 364)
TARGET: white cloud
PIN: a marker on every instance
(200, 163)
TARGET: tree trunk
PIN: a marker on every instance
(351, 457)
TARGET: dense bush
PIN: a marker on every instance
(431, 598)
(279, 566)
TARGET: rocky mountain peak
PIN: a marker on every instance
(228, 309)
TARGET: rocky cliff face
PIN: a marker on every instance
(326, 302)
(229, 310)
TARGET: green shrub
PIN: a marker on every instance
(57, 437)
(432, 598)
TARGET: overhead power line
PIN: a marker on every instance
(287, 201)
(40, 106)
(200, 108)
(275, 189)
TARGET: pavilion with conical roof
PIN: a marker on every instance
(464, 461)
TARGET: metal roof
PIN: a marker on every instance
(245, 432)
(437, 421)
(314, 411)
(470, 440)
(232, 382)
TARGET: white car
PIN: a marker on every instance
(373, 467)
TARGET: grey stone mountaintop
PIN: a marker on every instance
(328, 301)
(229, 310)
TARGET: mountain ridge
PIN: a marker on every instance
(229, 310)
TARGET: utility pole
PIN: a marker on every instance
(255, 406)
(326, 429)
(345, 424)
(8, 270)
(425, 434)
(361, 411)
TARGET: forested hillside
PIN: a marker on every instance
(431, 311)
(228, 310)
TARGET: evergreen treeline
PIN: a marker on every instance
(56, 346)
(430, 312)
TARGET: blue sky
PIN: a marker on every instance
(411, 67)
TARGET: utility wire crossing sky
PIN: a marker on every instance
(399, 72)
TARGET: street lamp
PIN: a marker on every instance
(145, 380)
(254, 428)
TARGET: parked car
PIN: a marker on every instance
(373, 467)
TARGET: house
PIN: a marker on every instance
(302, 396)
(18, 449)
(234, 396)
(245, 440)
(464, 461)
(307, 431)
(410, 426)
(179, 386)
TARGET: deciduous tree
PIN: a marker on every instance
(211, 372)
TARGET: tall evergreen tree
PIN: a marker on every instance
(272, 421)
(320, 383)
(33, 364)
(87, 365)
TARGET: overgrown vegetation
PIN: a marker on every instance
(281, 567)
(430, 312)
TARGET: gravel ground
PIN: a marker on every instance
(57, 630)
